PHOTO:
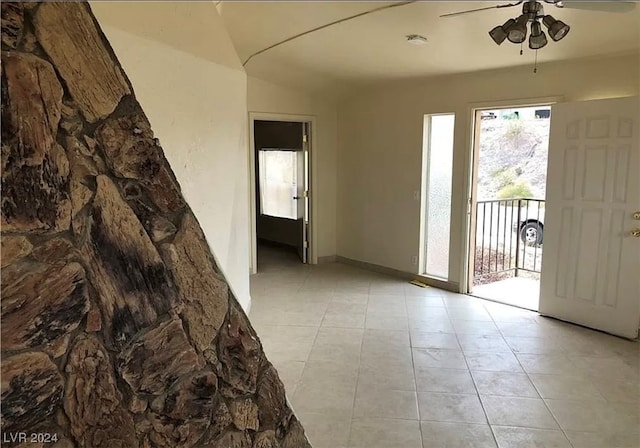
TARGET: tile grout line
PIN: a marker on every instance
(355, 392)
(506, 318)
(536, 389)
(413, 368)
(493, 433)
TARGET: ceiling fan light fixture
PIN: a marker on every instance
(518, 31)
(537, 39)
(499, 33)
(557, 28)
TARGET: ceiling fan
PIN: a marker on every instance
(515, 30)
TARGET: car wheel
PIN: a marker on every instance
(531, 233)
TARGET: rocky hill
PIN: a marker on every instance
(513, 158)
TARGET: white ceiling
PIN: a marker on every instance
(373, 48)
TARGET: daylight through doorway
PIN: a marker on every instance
(281, 159)
(508, 204)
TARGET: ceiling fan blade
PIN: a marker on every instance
(610, 6)
(452, 14)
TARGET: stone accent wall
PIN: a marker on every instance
(118, 329)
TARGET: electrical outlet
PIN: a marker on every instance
(414, 260)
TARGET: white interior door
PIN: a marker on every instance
(302, 194)
(591, 265)
(300, 206)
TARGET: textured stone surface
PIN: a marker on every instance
(54, 250)
(42, 305)
(133, 153)
(31, 390)
(271, 401)
(128, 274)
(14, 248)
(35, 99)
(77, 152)
(80, 195)
(71, 121)
(35, 168)
(71, 40)
(118, 328)
(191, 398)
(92, 400)
(221, 421)
(91, 143)
(233, 439)
(204, 295)
(160, 228)
(266, 439)
(94, 320)
(73, 125)
(240, 353)
(62, 443)
(294, 436)
(154, 360)
(58, 347)
(245, 414)
(12, 22)
(138, 405)
(180, 418)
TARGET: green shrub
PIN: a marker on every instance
(514, 131)
(503, 177)
(518, 190)
(498, 171)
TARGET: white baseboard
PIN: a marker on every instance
(449, 286)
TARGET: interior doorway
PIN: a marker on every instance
(511, 147)
(280, 191)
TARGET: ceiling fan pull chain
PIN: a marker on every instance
(520, 48)
(535, 63)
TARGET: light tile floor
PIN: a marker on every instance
(372, 361)
(502, 291)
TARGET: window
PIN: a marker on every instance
(278, 183)
(437, 175)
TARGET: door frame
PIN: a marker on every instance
(470, 174)
(312, 142)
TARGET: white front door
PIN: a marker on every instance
(591, 265)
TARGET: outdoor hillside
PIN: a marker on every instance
(513, 158)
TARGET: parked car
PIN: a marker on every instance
(524, 217)
(531, 226)
(487, 115)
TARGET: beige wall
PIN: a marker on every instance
(190, 83)
(265, 97)
(380, 148)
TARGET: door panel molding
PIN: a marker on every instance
(591, 263)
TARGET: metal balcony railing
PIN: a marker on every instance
(509, 237)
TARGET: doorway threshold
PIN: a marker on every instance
(516, 291)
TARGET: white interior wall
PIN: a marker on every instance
(192, 87)
(380, 149)
(269, 98)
